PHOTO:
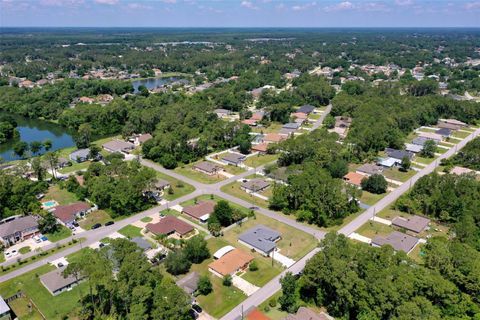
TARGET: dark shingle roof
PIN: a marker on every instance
(260, 237)
(306, 109)
(17, 225)
(398, 240)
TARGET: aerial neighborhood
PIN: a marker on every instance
(239, 174)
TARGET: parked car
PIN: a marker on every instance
(11, 254)
(253, 208)
(193, 314)
(109, 223)
(96, 226)
(101, 245)
(60, 265)
(197, 308)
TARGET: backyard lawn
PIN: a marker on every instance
(99, 216)
(423, 160)
(235, 190)
(130, 231)
(273, 127)
(21, 308)
(460, 134)
(62, 196)
(265, 272)
(188, 172)
(396, 174)
(62, 233)
(53, 307)
(260, 160)
(372, 229)
(371, 198)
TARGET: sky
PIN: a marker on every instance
(239, 13)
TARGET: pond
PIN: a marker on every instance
(154, 83)
(37, 130)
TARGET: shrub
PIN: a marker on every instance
(253, 266)
(227, 280)
(272, 302)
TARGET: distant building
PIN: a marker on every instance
(255, 185)
(415, 148)
(420, 141)
(399, 241)
(170, 225)
(398, 154)
(370, 169)
(118, 146)
(307, 109)
(222, 113)
(444, 132)
(18, 229)
(431, 136)
(80, 155)
(207, 168)
(274, 137)
(451, 124)
(260, 148)
(200, 211)
(56, 283)
(304, 313)
(234, 158)
(260, 238)
(141, 138)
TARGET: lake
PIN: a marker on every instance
(37, 130)
(154, 83)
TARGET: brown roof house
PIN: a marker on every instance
(354, 178)
(231, 263)
(67, 215)
(399, 241)
(17, 230)
(170, 225)
(369, 169)
(207, 168)
(260, 148)
(200, 211)
(304, 313)
(415, 223)
(56, 283)
(274, 137)
(141, 138)
(118, 146)
(255, 185)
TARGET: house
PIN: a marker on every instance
(18, 229)
(258, 116)
(170, 225)
(5, 312)
(250, 122)
(343, 122)
(451, 124)
(399, 241)
(67, 214)
(255, 185)
(160, 185)
(420, 141)
(231, 263)
(274, 138)
(369, 169)
(141, 138)
(291, 126)
(56, 283)
(189, 283)
(207, 168)
(398, 154)
(354, 178)
(260, 148)
(222, 251)
(444, 132)
(118, 146)
(222, 113)
(415, 223)
(234, 159)
(254, 314)
(104, 98)
(143, 244)
(80, 155)
(431, 136)
(304, 313)
(460, 170)
(307, 109)
(387, 162)
(200, 211)
(260, 238)
(415, 148)
(299, 116)
(62, 163)
(86, 100)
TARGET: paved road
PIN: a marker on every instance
(319, 122)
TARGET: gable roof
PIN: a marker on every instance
(18, 225)
(260, 237)
(256, 314)
(354, 178)
(261, 147)
(274, 137)
(304, 313)
(370, 168)
(231, 262)
(118, 145)
(416, 148)
(141, 243)
(431, 136)
(233, 157)
(420, 141)
(55, 280)
(415, 223)
(398, 154)
(291, 125)
(144, 137)
(168, 225)
(206, 166)
(445, 132)
(255, 184)
(80, 153)
(189, 283)
(399, 241)
(68, 212)
(306, 109)
(200, 210)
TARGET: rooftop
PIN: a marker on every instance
(231, 262)
(189, 283)
(17, 225)
(200, 210)
(398, 154)
(233, 157)
(118, 145)
(68, 212)
(260, 237)
(354, 178)
(168, 225)
(4, 308)
(255, 184)
(306, 109)
(206, 166)
(370, 168)
(415, 223)
(398, 240)
(55, 280)
(304, 313)
(141, 243)
(461, 170)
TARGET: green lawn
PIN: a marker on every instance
(62, 233)
(75, 167)
(235, 190)
(207, 197)
(53, 307)
(99, 216)
(265, 272)
(187, 171)
(259, 160)
(371, 198)
(62, 196)
(416, 253)
(428, 130)
(21, 308)
(423, 160)
(233, 169)
(372, 229)
(395, 174)
(460, 134)
(273, 127)
(179, 188)
(273, 313)
(130, 231)
(146, 219)
(24, 250)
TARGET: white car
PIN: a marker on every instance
(10, 254)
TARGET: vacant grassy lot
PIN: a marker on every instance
(460, 134)
(396, 174)
(372, 229)
(21, 308)
(423, 160)
(260, 160)
(189, 172)
(62, 196)
(179, 188)
(53, 307)
(62, 233)
(235, 190)
(371, 198)
(130, 231)
(273, 127)
(207, 197)
(99, 216)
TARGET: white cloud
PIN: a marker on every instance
(135, 5)
(60, 3)
(304, 7)
(472, 5)
(280, 6)
(345, 5)
(403, 2)
(374, 7)
(107, 2)
(248, 5)
(169, 1)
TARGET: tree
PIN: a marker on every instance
(196, 249)
(177, 262)
(94, 151)
(214, 225)
(52, 160)
(47, 144)
(38, 169)
(35, 147)
(244, 146)
(289, 298)
(204, 285)
(223, 213)
(48, 223)
(338, 168)
(405, 164)
(227, 280)
(143, 91)
(253, 266)
(20, 148)
(376, 183)
(83, 136)
(429, 149)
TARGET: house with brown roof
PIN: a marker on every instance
(141, 138)
(260, 148)
(170, 225)
(250, 122)
(17, 229)
(231, 263)
(118, 146)
(254, 314)
(354, 178)
(398, 240)
(67, 214)
(304, 313)
(274, 137)
(86, 100)
(414, 223)
(200, 211)
(207, 168)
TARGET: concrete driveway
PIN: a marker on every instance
(284, 260)
(244, 285)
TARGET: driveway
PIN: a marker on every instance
(244, 285)
(284, 260)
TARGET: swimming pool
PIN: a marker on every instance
(49, 204)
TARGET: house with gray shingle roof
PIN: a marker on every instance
(56, 283)
(18, 229)
(260, 238)
(398, 240)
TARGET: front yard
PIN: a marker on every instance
(189, 172)
(396, 174)
(130, 231)
(235, 190)
(179, 188)
(62, 233)
(260, 160)
(99, 216)
(371, 198)
(372, 229)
